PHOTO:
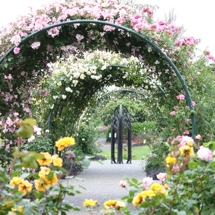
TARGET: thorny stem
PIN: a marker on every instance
(174, 196)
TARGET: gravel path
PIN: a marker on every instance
(102, 182)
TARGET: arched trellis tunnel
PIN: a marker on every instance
(140, 37)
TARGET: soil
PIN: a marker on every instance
(153, 171)
(77, 168)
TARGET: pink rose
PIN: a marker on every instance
(193, 103)
(122, 184)
(205, 154)
(16, 50)
(186, 141)
(198, 137)
(172, 113)
(147, 181)
(186, 132)
(180, 97)
(161, 176)
(175, 107)
(176, 168)
(179, 138)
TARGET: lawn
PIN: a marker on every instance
(137, 153)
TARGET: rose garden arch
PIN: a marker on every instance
(138, 38)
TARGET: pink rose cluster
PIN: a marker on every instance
(183, 141)
(188, 41)
(205, 154)
(147, 181)
(162, 176)
(209, 56)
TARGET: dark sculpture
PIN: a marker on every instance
(120, 123)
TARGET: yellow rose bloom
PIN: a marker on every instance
(40, 185)
(170, 161)
(90, 203)
(57, 161)
(16, 181)
(147, 193)
(166, 186)
(46, 160)
(25, 187)
(51, 181)
(64, 142)
(158, 188)
(110, 203)
(120, 204)
(44, 171)
(19, 208)
(137, 200)
(186, 151)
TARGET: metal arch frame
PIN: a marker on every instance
(121, 90)
(168, 60)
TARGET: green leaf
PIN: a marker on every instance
(193, 164)
(134, 180)
(25, 131)
(29, 121)
(24, 175)
(210, 145)
(85, 163)
(38, 195)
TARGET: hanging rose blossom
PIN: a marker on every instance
(180, 97)
(186, 132)
(205, 154)
(35, 45)
(16, 50)
(172, 113)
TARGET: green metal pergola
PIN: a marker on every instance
(130, 31)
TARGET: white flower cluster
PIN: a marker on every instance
(92, 65)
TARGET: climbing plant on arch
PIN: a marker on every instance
(73, 27)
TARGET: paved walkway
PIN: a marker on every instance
(102, 182)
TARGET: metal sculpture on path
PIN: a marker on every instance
(120, 123)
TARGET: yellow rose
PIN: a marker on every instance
(16, 181)
(158, 188)
(90, 203)
(19, 208)
(25, 187)
(170, 161)
(64, 142)
(120, 204)
(137, 200)
(44, 171)
(51, 181)
(46, 160)
(110, 203)
(40, 185)
(186, 151)
(57, 161)
(147, 193)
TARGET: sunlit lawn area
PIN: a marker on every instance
(137, 152)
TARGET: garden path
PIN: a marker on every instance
(102, 182)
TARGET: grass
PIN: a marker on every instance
(137, 153)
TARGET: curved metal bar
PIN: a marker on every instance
(168, 60)
(115, 91)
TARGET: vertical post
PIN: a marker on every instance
(120, 136)
(112, 141)
(129, 142)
